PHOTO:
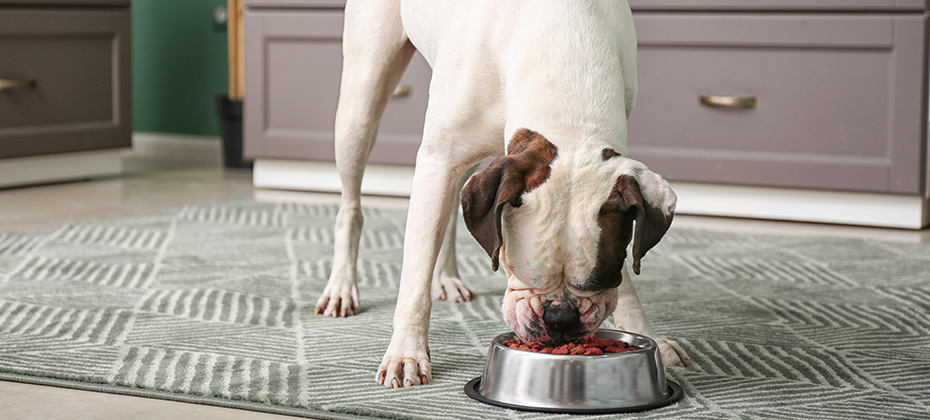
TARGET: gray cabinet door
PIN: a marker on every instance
(839, 100)
(78, 63)
(293, 71)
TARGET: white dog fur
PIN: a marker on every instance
(565, 70)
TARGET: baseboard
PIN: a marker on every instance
(177, 146)
(862, 209)
(322, 177)
(33, 170)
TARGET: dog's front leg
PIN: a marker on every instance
(629, 316)
(406, 361)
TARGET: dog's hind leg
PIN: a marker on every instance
(447, 284)
(376, 52)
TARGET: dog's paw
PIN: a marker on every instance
(672, 353)
(406, 362)
(338, 300)
(451, 289)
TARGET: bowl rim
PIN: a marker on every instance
(651, 344)
(674, 394)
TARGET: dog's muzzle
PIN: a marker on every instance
(556, 317)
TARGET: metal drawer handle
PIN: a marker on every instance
(403, 91)
(7, 84)
(729, 101)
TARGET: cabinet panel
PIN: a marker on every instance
(79, 63)
(839, 100)
(293, 71)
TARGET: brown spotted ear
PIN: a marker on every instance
(522, 169)
(653, 210)
(483, 200)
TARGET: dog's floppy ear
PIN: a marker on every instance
(483, 200)
(652, 202)
(522, 169)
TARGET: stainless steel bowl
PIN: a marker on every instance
(609, 383)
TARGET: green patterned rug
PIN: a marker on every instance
(214, 304)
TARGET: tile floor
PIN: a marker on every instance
(171, 173)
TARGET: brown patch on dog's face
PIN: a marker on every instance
(608, 154)
(524, 168)
(615, 218)
(533, 154)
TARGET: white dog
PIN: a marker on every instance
(548, 86)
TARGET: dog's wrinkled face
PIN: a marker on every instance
(559, 222)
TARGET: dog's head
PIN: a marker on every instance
(560, 224)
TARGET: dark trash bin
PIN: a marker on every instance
(230, 113)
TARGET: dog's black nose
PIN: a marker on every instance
(563, 321)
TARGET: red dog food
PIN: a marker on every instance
(590, 345)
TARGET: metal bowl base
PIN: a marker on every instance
(674, 394)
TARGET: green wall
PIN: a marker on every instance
(179, 62)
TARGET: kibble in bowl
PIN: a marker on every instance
(587, 346)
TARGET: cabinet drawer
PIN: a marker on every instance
(79, 62)
(293, 72)
(839, 100)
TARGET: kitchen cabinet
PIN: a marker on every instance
(749, 107)
(65, 82)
